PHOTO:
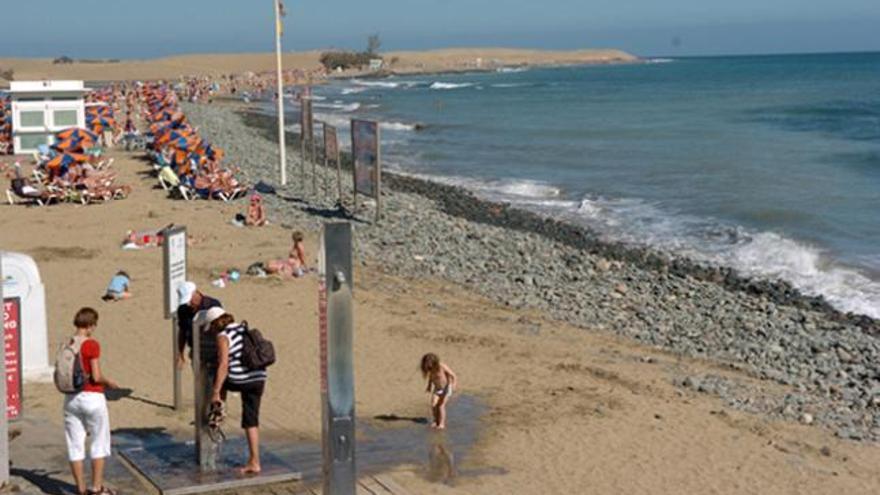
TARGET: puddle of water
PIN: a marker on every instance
(383, 443)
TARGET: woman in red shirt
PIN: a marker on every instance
(86, 412)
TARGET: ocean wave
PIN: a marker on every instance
(376, 84)
(510, 70)
(660, 60)
(343, 107)
(526, 188)
(766, 255)
(353, 91)
(511, 85)
(445, 85)
(396, 126)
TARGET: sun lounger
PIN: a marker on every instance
(22, 190)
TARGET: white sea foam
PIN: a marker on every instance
(766, 255)
(510, 85)
(527, 189)
(660, 60)
(376, 84)
(445, 85)
(343, 107)
(508, 70)
(352, 91)
(396, 126)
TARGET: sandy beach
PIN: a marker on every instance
(579, 395)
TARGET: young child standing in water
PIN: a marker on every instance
(441, 381)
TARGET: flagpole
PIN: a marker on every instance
(282, 148)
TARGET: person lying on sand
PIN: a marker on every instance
(295, 264)
(441, 381)
(119, 288)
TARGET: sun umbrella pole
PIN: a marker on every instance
(281, 146)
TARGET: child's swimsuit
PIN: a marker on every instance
(445, 391)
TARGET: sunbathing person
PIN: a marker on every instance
(256, 215)
(295, 264)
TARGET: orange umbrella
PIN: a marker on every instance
(73, 144)
(76, 132)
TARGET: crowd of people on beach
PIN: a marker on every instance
(185, 162)
(74, 168)
(246, 86)
(5, 124)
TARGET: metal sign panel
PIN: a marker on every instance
(365, 151)
(174, 249)
(337, 365)
(307, 122)
(12, 353)
(331, 145)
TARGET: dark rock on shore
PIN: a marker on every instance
(523, 260)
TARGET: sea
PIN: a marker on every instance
(767, 164)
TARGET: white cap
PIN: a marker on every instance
(185, 292)
(205, 317)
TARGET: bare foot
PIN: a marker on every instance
(441, 427)
(249, 470)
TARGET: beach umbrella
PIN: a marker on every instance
(101, 121)
(76, 132)
(73, 144)
(59, 164)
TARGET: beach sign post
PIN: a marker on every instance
(4, 422)
(205, 368)
(174, 271)
(331, 152)
(367, 161)
(336, 337)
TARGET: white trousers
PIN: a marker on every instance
(86, 413)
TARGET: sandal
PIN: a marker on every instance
(216, 415)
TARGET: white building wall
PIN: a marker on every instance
(54, 99)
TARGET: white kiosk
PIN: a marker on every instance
(22, 285)
(42, 108)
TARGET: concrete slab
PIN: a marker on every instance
(172, 468)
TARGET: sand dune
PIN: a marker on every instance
(214, 64)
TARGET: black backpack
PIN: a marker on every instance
(257, 353)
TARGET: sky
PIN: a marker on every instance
(146, 29)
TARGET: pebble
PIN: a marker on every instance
(571, 274)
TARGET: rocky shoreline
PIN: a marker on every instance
(827, 360)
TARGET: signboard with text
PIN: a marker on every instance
(174, 247)
(365, 151)
(12, 354)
